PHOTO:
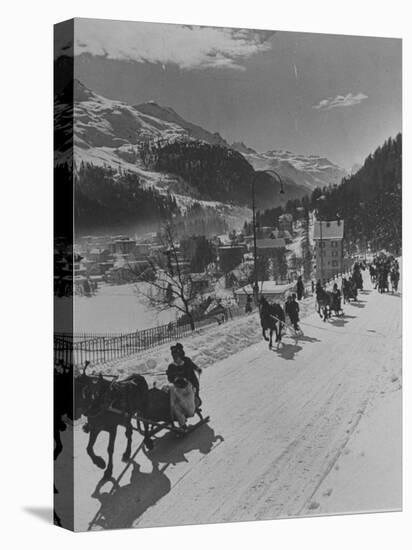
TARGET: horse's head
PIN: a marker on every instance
(263, 303)
(88, 391)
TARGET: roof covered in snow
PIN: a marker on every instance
(270, 243)
(266, 287)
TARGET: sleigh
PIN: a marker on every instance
(149, 428)
(161, 415)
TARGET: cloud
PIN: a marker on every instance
(340, 101)
(188, 47)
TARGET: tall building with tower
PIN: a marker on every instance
(328, 237)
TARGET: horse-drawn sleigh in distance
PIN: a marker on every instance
(107, 403)
(277, 320)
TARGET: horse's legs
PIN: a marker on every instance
(270, 338)
(278, 334)
(129, 433)
(264, 334)
(97, 460)
(147, 439)
(110, 450)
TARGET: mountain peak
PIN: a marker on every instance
(242, 148)
(168, 114)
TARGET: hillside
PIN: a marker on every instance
(370, 201)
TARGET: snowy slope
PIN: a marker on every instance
(108, 132)
(281, 427)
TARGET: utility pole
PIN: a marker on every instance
(321, 252)
(319, 200)
(282, 191)
(255, 282)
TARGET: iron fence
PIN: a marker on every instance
(77, 348)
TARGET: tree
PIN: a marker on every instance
(172, 286)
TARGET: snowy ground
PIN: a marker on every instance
(117, 308)
(314, 428)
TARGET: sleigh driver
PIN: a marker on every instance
(182, 372)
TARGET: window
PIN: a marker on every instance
(334, 244)
(334, 263)
(334, 252)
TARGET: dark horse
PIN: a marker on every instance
(324, 303)
(62, 410)
(63, 402)
(272, 318)
(106, 405)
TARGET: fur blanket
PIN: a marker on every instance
(182, 403)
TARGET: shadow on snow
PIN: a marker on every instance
(122, 506)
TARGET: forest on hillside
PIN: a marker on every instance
(107, 200)
(215, 172)
(369, 201)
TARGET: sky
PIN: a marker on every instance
(330, 95)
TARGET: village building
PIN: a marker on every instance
(270, 247)
(200, 282)
(285, 223)
(122, 245)
(230, 257)
(328, 237)
(141, 251)
(264, 232)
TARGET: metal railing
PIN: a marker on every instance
(76, 348)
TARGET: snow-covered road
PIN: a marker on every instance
(310, 429)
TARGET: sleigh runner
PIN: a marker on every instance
(149, 428)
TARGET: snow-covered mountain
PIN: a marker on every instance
(173, 157)
(309, 171)
(108, 131)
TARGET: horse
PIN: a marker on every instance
(394, 280)
(383, 285)
(63, 403)
(272, 318)
(357, 278)
(106, 405)
(336, 306)
(62, 409)
(324, 303)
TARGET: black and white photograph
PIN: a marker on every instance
(227, 274)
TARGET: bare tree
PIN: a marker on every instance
(169, 282)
